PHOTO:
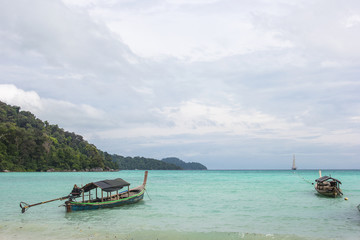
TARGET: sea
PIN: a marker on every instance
(179, 205)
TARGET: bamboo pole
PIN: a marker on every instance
(24, 206)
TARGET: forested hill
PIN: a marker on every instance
(29, 144)
(184, 165)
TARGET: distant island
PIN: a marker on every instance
(29, 144)
(184, 165)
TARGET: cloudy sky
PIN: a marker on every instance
(233, 84)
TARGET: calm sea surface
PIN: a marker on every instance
(186, 205)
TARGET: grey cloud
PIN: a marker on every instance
(307, 79)
(63, 37)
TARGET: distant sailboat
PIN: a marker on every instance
(293, 166)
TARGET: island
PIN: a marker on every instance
(186, 166)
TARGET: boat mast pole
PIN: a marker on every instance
(145, 178)
(293, 166)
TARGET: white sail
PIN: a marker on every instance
(293, 166)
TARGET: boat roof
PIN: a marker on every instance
(325, 178)
(107, 185)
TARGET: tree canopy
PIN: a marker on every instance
(184, 165)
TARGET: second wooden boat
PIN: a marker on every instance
(328, 186)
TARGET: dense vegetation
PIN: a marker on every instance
(142, 163)
(29, 144)
(184, 165)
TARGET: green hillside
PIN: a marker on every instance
(184, 165)
(29, 144)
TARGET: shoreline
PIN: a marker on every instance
(32, 231)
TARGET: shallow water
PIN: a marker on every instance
(186, 205)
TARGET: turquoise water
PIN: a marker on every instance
(186, 205)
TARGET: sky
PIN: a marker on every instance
(232, 84)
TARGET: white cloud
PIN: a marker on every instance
(63, 113)
(198, 119)
(28, 100)
(352, 21)
(355, 119)
(322, 35)
(64, 38)
(195, 122)
(193, 31)
(330, 64)
(143, 90)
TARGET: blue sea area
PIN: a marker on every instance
(256, 204)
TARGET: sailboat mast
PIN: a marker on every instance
(293, 166)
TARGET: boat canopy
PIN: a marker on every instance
(325, 178)
(107, 185)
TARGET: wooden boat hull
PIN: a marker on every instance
(80, 206)
(328, 191)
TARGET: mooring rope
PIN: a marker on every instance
(303, 178)
(147, 194)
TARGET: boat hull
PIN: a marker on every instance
(328, 191)
(81, 206)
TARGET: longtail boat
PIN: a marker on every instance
(106, 195)
(328, 186)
